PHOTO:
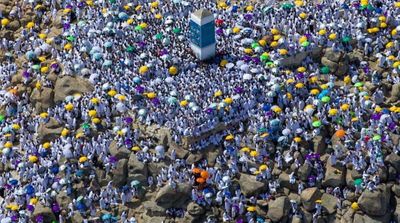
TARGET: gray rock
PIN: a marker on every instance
(68, 85)
(394, 94)
(120, 173)
(278, 209)
(49, 131)
(137, 170)
(250, 186)
(333, 177)
(121, 152)
(375, 203)
(319, 144)
(329, 203)
(304, 171)
(195, 209)
(169, 197)
(309, 196)
(42, 99)
(46, 212)
(394, 160)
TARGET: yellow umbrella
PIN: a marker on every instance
(67, 10)
(277, 37)
(263, 167)
(378, 109)
(332, 36)
(324, 86)
(8, 145)
(344, 107)
(38, 85)
(223, 63)
(112, 93)
(322, 32)
(12, 207)
(236, 30)
(129, 21)
(44, 69)
(347, 80)
(158, 16)
(245, 149)
(249, 8)
(92, 113)
(262, 42)
(301, 69)
(314, 91)
(299, 3)
(332, 112)
(183, 103)
(318, 201)
(69, 107)
(393, 32)
(274, 44)
(383, 25)
(46, 145)
(96, 120)
(89, 3)
(251, 209)
(135, 148)
(127, 7)
(143, 69)
(83, 159)
(248, 51)
(5, 22)
(354, 119)
(42, 36)
(274, 31)
(228, 101)
(276, 109)
(290, 81)
(299, 85)
(283, 51)
(95, 100)
(44, 115)
(137, 8)
(373, 30)
(151, 95)
(33, 159)
(33, 201)
(218, 93)
(355, 206)
(253, 153)
(68, 46)
(222, 5)
(297, 139)
(79, 135)
(30, 25)
(396, 64)
(303, 15)
(397, 4)
(313, 79)
(173, 70)
(229, 137)
(264, 135)
(121, 97)
(391, 57)
(42, 59)
(16, 126)
(143, 25)
(154, 4)
(64, 132)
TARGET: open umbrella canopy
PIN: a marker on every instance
(325, 70)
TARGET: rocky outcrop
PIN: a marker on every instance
(249, 185)
(68, 85)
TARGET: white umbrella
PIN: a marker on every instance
(247, 77)
(169, 80)
(229, 65)
(244, 67)
(254, 70)
(286, 132)
(121, 107)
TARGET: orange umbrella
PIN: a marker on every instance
(200, 180)
(204, 174)
(196, 170)
(340, 133)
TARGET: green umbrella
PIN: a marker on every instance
(264, 58)
(36, 67)
(357, 182)
(138, 28)
(262, 130)
(176, 30)
(305, 44)
(325, 70)
(254, 45)
(317, 124)
(287, 5)
(376, 138)
(71, 38)
(2, 118)
(270, 63)
(112, 1)
(130, 49)
(359, 84)
(325, 99)
(346, 39)
(159, 36)
(85, 126)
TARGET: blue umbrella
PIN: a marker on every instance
(108, 44)
(97, 56)
(13, 182)
(137, 80)
(29, 189)
(123, 16)
(266, 107)
(30, 55)
(107, 63)
(106, 217)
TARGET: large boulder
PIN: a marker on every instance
(309, 196)
(329, 202)
(293, 61)
(195, 209)
(68, 85)
(319, 144)
(304, 171)
(120, 173)
(337, 61)
(169, 197)
(49, 131)
(394, 160)
(137, 170)
(42, 99)
(278, 209)
(394, 94)
(250, 186)
(121, 152)
(333, 177)
(375, 203)
(46, 212)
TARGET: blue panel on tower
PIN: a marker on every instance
(195, 33)
(207, 34)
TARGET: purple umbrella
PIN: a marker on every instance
(256, 60)
(54, 65)
(248, 16)
(39, 218)
(30, 207)
(128, 142)
(14, 218)
(113, 159)
(139, 89)
(81, 4)
(26, 74)
(66, 25)
(209, 110)
(68, 6)
(55, 208)
(246, 58)
(220, 32)
(300, 75)
(376, 116)
(238, 90)
(392, 126)
(141, 44)
(155, 101)
(128, 120)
